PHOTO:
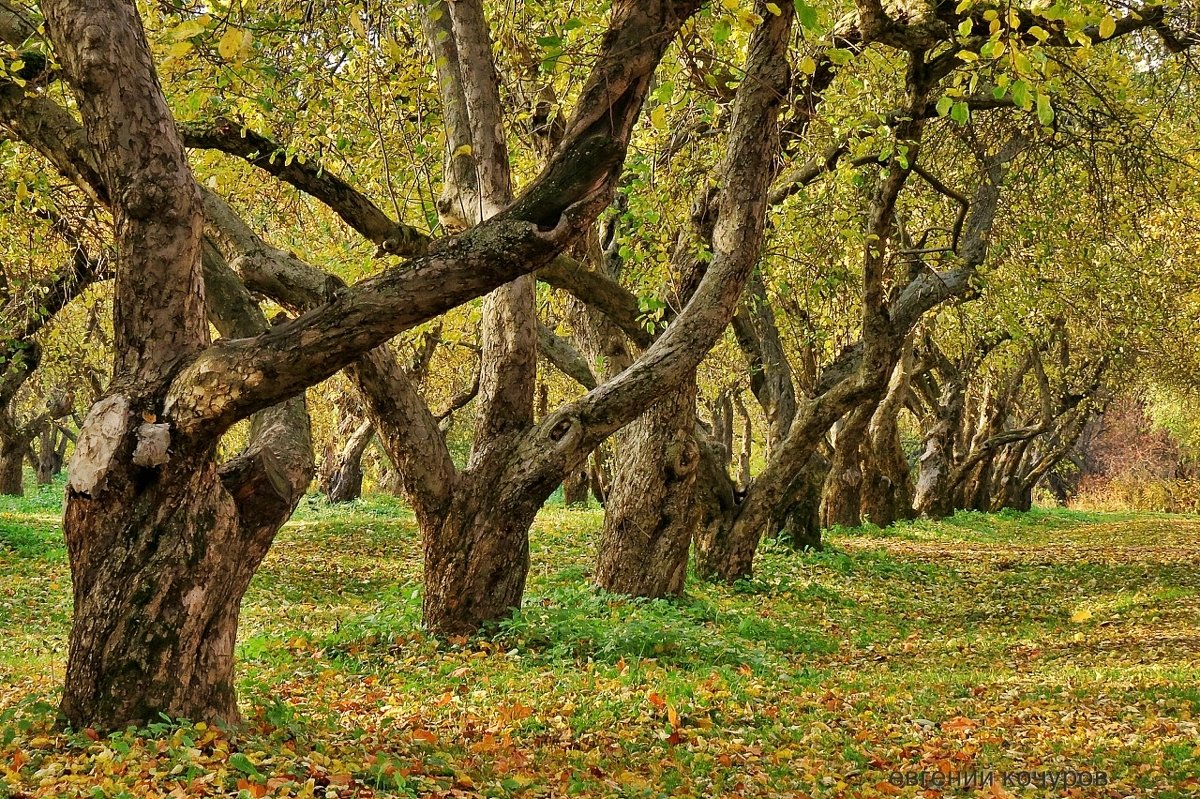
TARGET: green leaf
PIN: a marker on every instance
(943, 106)
(1045, 112)
(806, 15)
(1020, 94)
(242, 763)
(960, 113)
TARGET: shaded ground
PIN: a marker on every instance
(1044, 642)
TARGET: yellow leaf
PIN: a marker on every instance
(190, 28)
(1108, 26)
(1080, 616)
(230, 44)
(658, 117)
(807, 65)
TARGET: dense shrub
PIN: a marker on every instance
(1127, 492)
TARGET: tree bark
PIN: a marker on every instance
(575, 487)
(800, 527)
(12, 462)
(344, 483)
(841, 500)
(651, 511)
(887, 489)
(51, 454)
(476, 556)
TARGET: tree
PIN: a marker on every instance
(167, 645)
(28, 312)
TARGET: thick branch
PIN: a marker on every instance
(565, 357)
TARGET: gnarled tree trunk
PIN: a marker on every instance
(12, 462)
(575, 487)
(345, 480)
(652, 510)
(800, 526)
(887, 489)
(51, 454)
(841, 499)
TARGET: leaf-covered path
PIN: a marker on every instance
(1010, 649)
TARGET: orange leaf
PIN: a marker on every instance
(959, 723)
(425, 736)
(888, 788)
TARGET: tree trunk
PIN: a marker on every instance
(476, 557)
(599, 475)
(887, 494)
(51, 453)
(575, 487)
(801, 524)
(651, 511)
(345, 481)
(841, 499)
(12, 463)
(934, 496)
(160, 559)
(156, 609)
(887, 490)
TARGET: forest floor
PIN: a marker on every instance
(978, 655)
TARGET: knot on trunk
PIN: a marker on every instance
(565, 432)
(153, 440)
(682, 458)
(100, 437)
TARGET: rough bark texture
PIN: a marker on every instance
(51, 454)
(887, 489)
(800, 526)
(344, 482)
(842, 497)
(12, 462)
(575, 488)
(651, 510)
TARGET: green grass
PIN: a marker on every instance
(1047, 640)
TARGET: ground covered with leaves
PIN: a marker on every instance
(1011, 655)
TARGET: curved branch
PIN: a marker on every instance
(312, 178)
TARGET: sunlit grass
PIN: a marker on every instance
(1044, 640)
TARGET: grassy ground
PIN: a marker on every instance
(1045, 642)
